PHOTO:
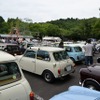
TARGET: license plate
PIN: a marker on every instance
(68, 68)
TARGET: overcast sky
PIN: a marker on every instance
(47, 10)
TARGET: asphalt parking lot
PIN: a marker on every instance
(44, 90)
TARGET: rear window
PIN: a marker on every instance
(61, 55)
(77, 49)
(9, 72)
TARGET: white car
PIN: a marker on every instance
(97, 47)
(13, 84)
(50, 62)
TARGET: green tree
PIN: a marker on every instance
(53, 30)
(2, 23)
(96, 29)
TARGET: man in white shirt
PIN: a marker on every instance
(88, 53)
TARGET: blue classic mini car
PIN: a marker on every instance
(77, 93)
(75, 52)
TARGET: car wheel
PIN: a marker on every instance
(91, 85)
(48, 76)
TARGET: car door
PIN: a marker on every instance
(13, 92)
(43, 61)
(28, 61)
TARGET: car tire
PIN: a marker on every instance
(91, 85)
(48, 76)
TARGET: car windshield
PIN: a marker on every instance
(9, 72)
(61, 55)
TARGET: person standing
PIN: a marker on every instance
(88, 53)
(61, 44)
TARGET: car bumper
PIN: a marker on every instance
(65, 74)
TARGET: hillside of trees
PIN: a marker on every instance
(70, 28)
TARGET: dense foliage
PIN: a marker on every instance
(76, 29)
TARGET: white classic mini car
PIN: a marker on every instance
(13, 84)
(50, 62)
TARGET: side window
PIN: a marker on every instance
(68, 49)
(30, 54)
(77, 49)
(57, 56)
(9, 72)
(43, 55)
(9, 48)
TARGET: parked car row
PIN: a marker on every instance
(49, 62)
(75, 52)
(13, 49)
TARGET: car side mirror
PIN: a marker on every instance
(98, 60)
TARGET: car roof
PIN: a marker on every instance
(75, 45)
(50, 49)
(6, 56)
(78, 93)
(4, 44)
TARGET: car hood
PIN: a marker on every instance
(78, 93)
(18, 57)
